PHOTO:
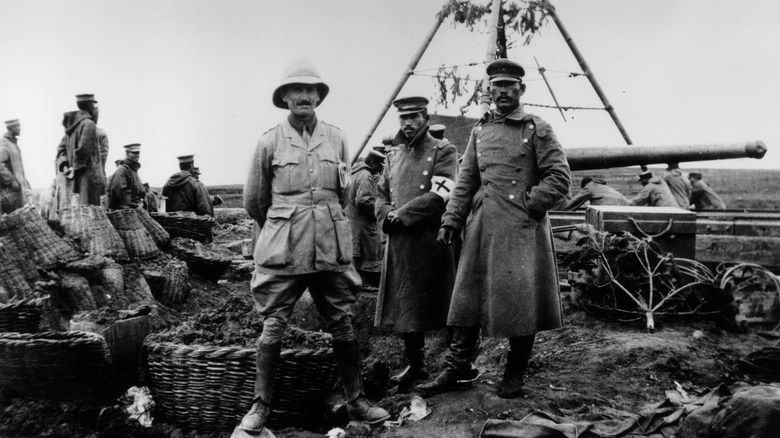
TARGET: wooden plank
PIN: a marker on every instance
(763, 250)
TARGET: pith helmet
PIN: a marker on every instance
(299, 71)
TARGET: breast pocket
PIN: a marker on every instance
(273, 243)
(287, 171)
(328, 171)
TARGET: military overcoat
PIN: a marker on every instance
(125, 189)
(80, 151)
(513, 171)
(418, 274)
(361, 200)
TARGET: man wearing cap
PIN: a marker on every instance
(184, 192)
(596, 191)
(654, 193)
(125, 190)
(513, 171)
(150, 199)
(678, 184)
(78, 162)
(87, 103)
(14, 187)
(416, 284)
(296, 186)
(703, 197)
(361, 199)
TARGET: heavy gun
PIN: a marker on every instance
(609, 157)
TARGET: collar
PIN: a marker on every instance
(10, 137)
(419, 138)
(516, 115)
(131, 165)
(298, 124)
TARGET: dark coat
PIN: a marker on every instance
(418, 274)
(596, 194)
(80, 150)
(704, 198)
(125, 190)
(13, 182)
(361, 198)
(514, 170)
(680, 187)
(185, 193)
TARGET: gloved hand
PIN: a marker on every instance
(446, 234)
(68, 172)
(392, 223)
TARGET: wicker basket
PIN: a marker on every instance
(167, 278)
(159, 234)
(186, 224)
(208, 261)
(61, 366)
(91, 226)
(18, 258)
(12, 281)
(211, 388)
(138, 241)
(22, 316)
(33, 237)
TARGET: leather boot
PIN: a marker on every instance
(517, 358)
(358, 407)
(253, 423)
(458, 373)
(414, 343)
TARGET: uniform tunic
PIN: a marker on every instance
(597, 194)
(125, 190)
(418, 275)
(513, 171)
(80, 150)
(13, 182)
(704, 198)
(361, 199)
(293, 193)
(655, 194)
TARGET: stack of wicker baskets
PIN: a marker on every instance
(91, 226)
(210, 388)
(33, 238)
(159, 234)
(139, 243)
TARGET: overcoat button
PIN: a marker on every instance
(511, 196)
(425, 172)
(422, 187)
(525, 140)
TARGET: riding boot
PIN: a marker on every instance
(253, 423)
(457, 373)
(358, 407)
(414, 343)
(520, 348)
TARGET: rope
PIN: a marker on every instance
(651, 236)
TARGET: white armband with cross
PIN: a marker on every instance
(442, 186)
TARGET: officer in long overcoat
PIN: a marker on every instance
(14, 187)
(78, 161)
(513, 171)
(418, 274)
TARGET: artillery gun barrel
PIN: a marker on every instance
(624, 156)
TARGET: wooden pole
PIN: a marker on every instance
(541, 72)
(408, 72)
(490, 54)
(589, 74)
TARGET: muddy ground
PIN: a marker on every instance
(591, 369)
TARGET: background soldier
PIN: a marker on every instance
(416, 285)
(78, 158)
(679, 185)
(361, 199)
(597, 192)
(654, 193)
(294, 192)
(150, 199)
(703, 197)
(125, 190)
(513, 171)
(184, 192)
(14, 187)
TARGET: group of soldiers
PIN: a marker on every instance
(81, 176)
(672, 189)
(468, 246)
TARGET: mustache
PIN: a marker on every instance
(304, 102)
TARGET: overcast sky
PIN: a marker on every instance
(196, 76)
